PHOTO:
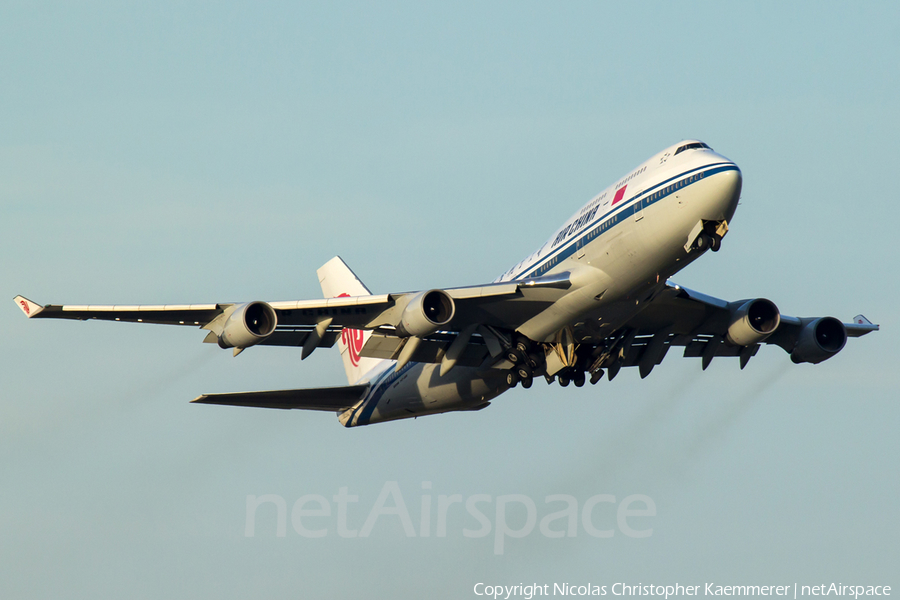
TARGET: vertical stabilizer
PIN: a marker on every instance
(338, 280)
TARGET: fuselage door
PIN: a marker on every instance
(638, 207)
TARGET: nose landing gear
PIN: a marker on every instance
(706, 235)
(706, 240)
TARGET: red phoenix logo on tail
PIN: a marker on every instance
(25, 307)
(353, 339)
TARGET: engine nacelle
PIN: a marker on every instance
(753, 322)
(819, 340)
(249, 324)
(426, 313)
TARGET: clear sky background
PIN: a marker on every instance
(169, 152)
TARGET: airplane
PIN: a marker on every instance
(594, 298)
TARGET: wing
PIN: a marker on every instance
(332, 399)
(170, 314)
(707, 327)
(316, 323)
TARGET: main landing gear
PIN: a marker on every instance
(527, 361)
(573, 375)
(528, 364)
(512, 378)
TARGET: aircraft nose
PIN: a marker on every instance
(732, 191)
(728, 191)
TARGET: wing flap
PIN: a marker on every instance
(297, 337)
(331, 399)
(430, 350)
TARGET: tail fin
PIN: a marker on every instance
(338, 280)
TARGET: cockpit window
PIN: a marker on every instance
(693, 146)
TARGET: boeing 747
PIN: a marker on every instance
(594, 298)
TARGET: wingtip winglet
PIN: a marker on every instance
(862, 320)
(27, 306)
(860, 326)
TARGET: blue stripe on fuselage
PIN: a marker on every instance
(610, 219)
(381, 385)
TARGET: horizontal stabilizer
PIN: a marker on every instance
(332, 399)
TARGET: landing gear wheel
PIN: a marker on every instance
(716, 243)
(704, 241)
(526, 383)
(563, 381)
(512, 379)
(579, 380)
(523, 372)
(513, 357)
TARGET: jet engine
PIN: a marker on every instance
(247, 325)
(753, 322)
(426, 313)
(819, 340)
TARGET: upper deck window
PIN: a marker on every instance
(692, 146)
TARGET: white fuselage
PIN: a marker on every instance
(628, 239)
